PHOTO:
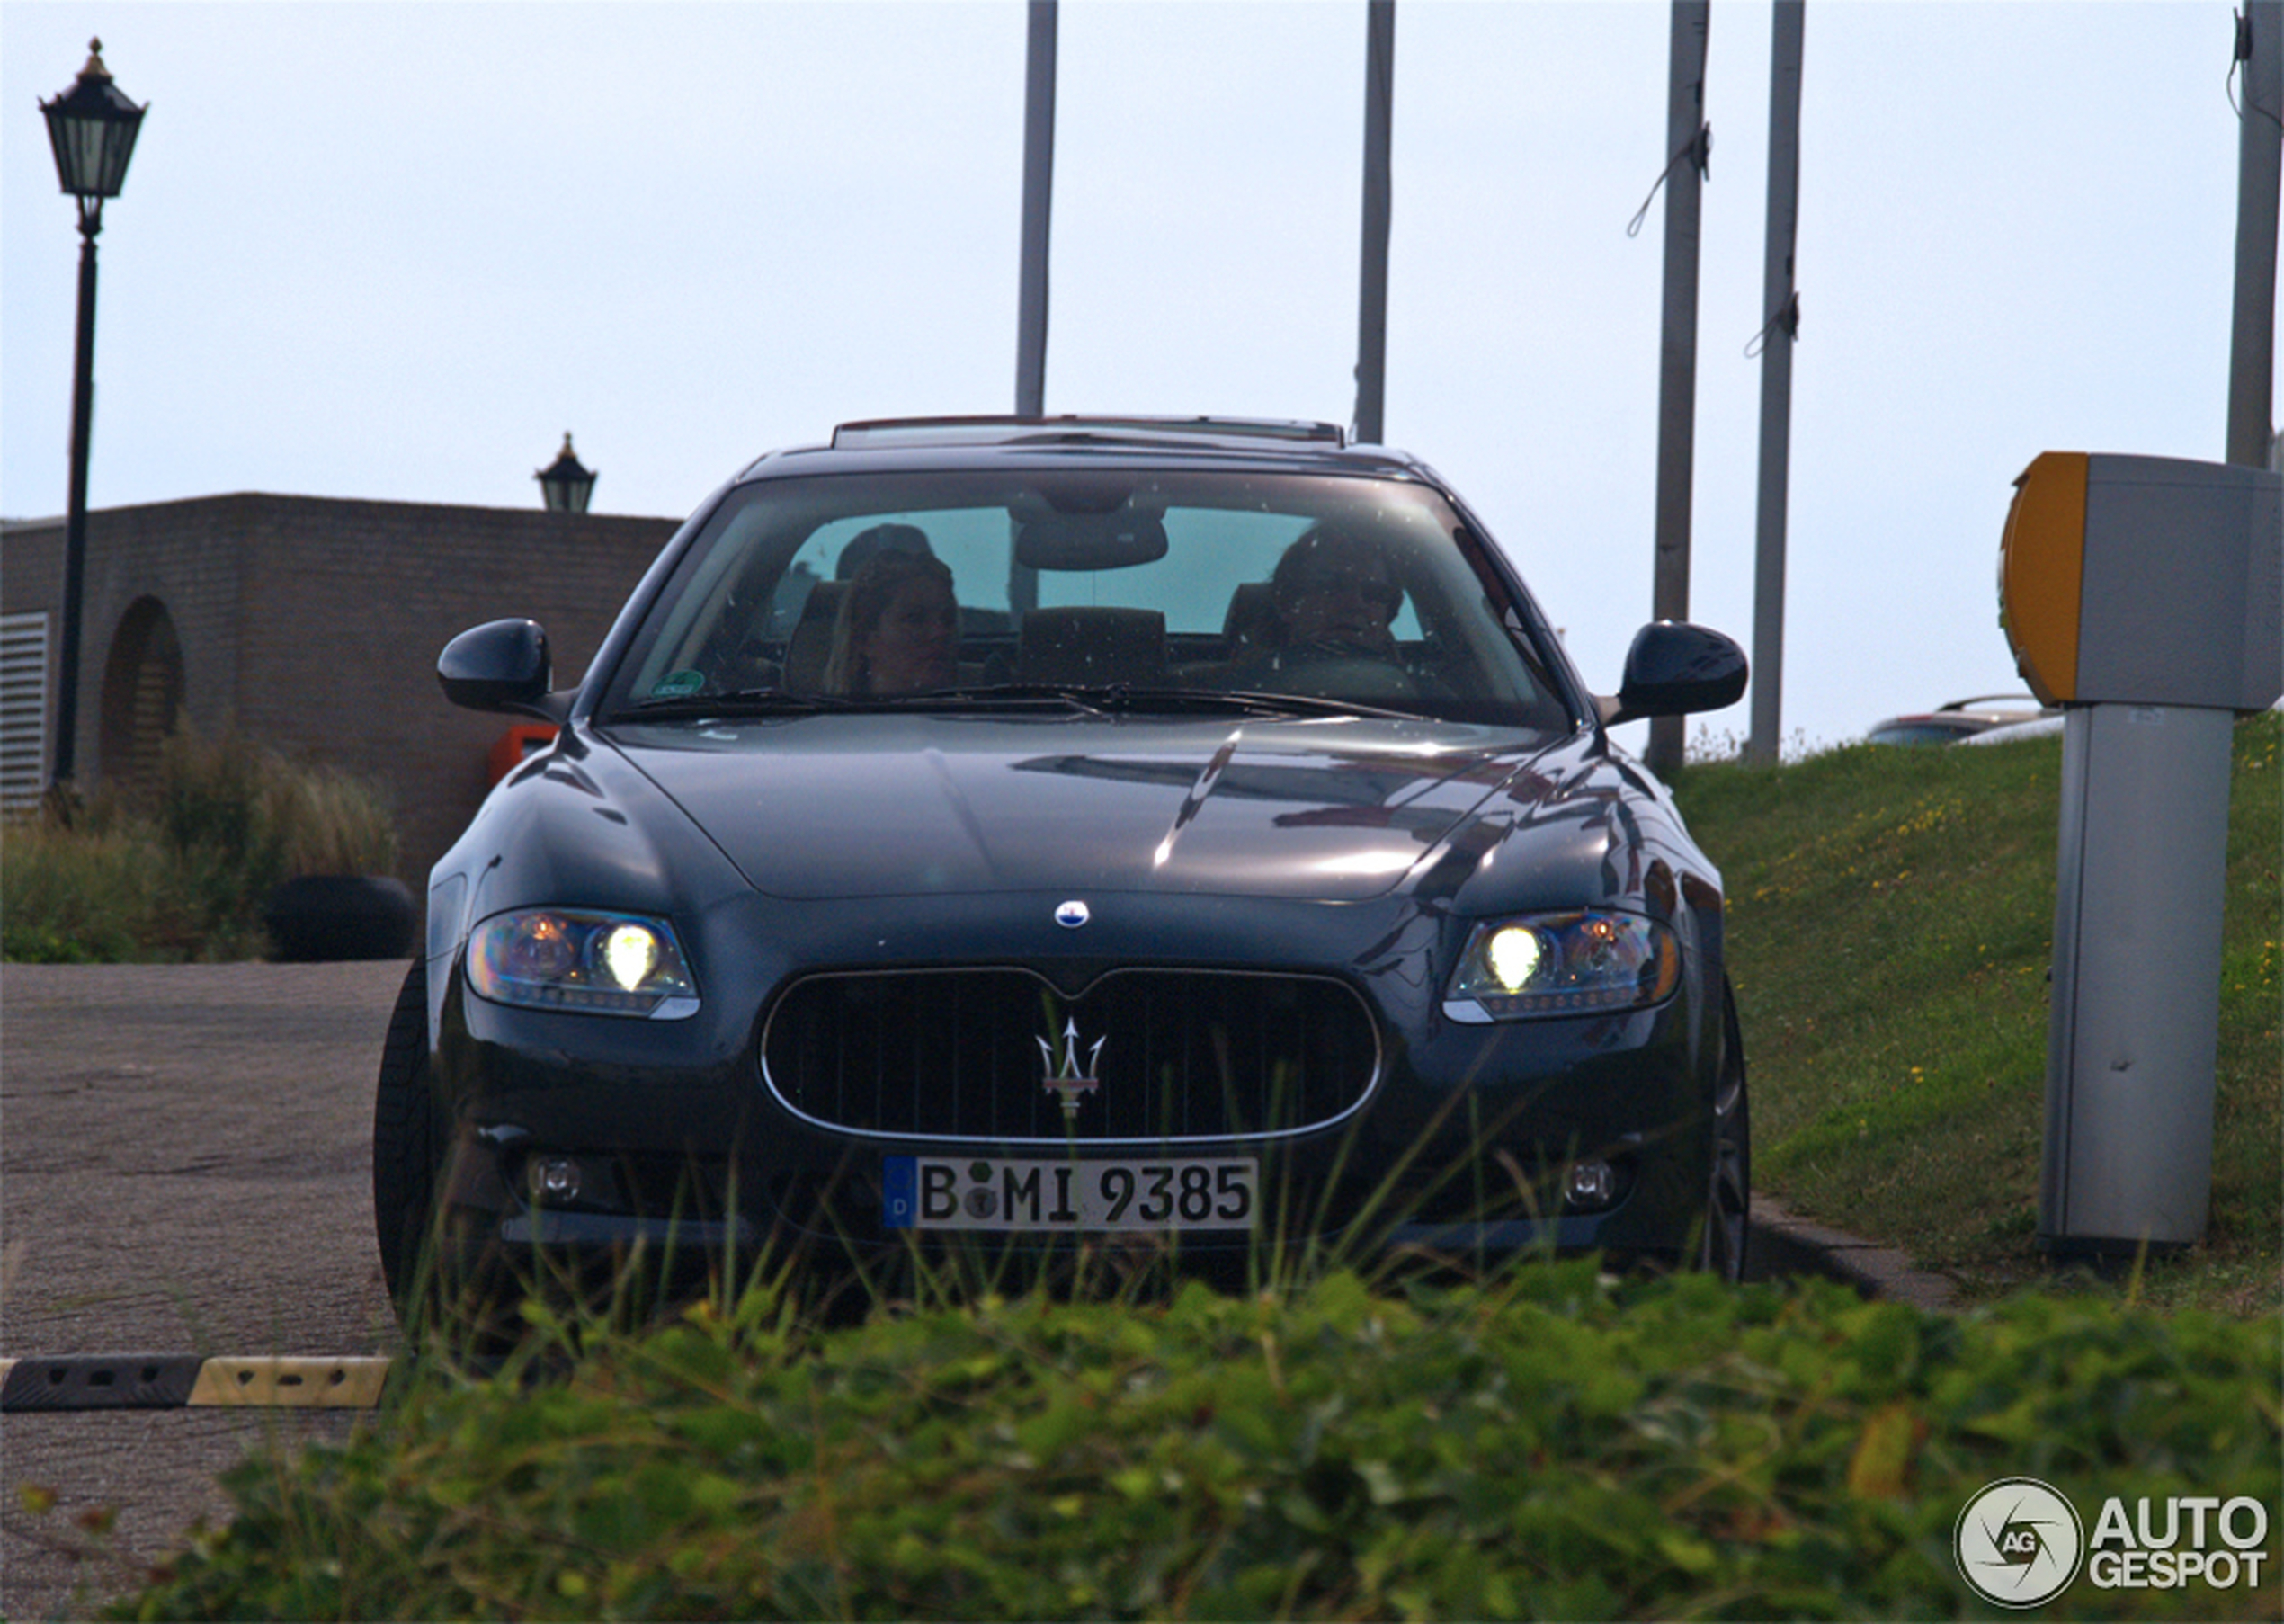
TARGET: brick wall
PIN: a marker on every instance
(313, 624)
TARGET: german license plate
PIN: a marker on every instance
(971, 1192)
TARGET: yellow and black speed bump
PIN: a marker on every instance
(175, 1381)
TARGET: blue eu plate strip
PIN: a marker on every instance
(899, 1192)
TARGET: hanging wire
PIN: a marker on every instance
(1789, 319)
(2235, 63)
(2243, 54)
(1700, 147)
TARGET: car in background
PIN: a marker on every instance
(1034, 837)
(1959, 720)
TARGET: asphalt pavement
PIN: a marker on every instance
(185, 1172)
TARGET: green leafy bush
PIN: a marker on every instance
(180, 872)
(1553, 1447)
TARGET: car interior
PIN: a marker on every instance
(1176, 596)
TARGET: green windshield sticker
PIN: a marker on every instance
(678, 685)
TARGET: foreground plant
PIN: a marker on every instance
(1552, 1445)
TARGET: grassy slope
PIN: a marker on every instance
(1891, 926)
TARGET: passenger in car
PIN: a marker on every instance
(898, 628)
(1330, 593)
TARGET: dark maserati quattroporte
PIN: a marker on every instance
(1031, 835)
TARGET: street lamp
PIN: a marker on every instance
(564, 486)
(91, 126)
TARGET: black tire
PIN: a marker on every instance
(329, 918)
(1728, 1200)
(409, 1139)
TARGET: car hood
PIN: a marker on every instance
(1339, 810)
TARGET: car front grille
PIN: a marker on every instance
(997, 1055)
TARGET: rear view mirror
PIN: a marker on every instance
(1677, 669)
(502, 665)
(1118, 540)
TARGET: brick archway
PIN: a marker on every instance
(142, 696)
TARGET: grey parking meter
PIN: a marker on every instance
(2146, 595)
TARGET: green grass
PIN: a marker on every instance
(179, 873)
(1891, 917)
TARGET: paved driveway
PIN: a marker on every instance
(183, 1169)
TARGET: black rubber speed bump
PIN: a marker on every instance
(175, 1381)
(119, 1381)
(329, 1384)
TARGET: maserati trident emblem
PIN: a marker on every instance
(1072, 914)
(1070, 1082)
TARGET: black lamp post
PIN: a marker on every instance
(92, 128)
(564, 484)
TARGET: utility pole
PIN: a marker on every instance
(1371, 335)
(1039, 187)
(2260, 147)
(1781, 309)
(1689, 141)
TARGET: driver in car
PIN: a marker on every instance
(1332, 593)
(1325, 628)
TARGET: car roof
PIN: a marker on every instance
(1996, 704)
(915, 443)
(1002, 430)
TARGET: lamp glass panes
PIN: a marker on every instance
(564, 484)
(92, 129)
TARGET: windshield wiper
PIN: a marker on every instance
(1112, 699)
(1131, 699)
(744, 701)
(1310, 704)
(1120, 699)
(781, 701)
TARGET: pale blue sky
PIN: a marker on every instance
(395, 250)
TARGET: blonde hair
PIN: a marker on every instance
(846, 670)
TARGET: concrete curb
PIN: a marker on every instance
(1782, 1245)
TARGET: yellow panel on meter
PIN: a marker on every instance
(2041, 573)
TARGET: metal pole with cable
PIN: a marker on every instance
(1688, 141)
(1780, 309)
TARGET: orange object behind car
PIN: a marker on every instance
(517, 745)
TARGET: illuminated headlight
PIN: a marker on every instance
(591, 963)
(1564, 963)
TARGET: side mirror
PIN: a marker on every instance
(1677, 669)
(500, 666)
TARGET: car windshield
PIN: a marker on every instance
(1175, 590)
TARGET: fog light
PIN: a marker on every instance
(1590, 1183)
(552, 1179)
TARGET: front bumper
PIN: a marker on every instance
(1463, 1148)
